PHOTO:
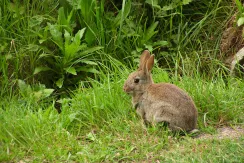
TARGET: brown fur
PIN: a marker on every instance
(162, 102)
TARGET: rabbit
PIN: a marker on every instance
(163, 102)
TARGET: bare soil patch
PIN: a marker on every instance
(225, 132)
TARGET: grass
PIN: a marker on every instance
(98, 125)
(122, 30)
(97, 122)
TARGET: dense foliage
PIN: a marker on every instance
(60, 43)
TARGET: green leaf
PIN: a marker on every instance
(25, 89)
(90, 136)
(47, 92)
(186, 2)
(122, 14)
(86, 9)
(72, 48)
(22, 85)
(88, 69)
(69, 48)
(154, 3)
(42, 40)
(127, 9)
(160, 43)
(56, 35)
(83, 46)
(78, 36)
(240, 21)
(70, 16)
(89, 62)
(70, 51)
(239, 6)
(60, 82)
(72, 117)
(150, 32)
(75, 4)
(149, 47)
(41, 94)
(40, 69)
(67, 37)
(44, 55)
(171, 6)
(89, 37)
(33, 47)
(61, 17)
(90, 50)
(71, 70)
(36, 20)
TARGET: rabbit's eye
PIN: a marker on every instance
(136, 80)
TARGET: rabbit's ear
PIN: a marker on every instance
(149, 63)
(144, 57)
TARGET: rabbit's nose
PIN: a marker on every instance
(125, 88)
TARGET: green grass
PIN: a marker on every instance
(98, 125)
(97, 122)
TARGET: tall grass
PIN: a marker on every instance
(19, 53)
(175, 31)
(99, 123)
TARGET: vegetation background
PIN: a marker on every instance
(62, 68)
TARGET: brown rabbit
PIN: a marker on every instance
(162, 102)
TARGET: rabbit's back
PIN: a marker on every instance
(169, 93)
(167, 102)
